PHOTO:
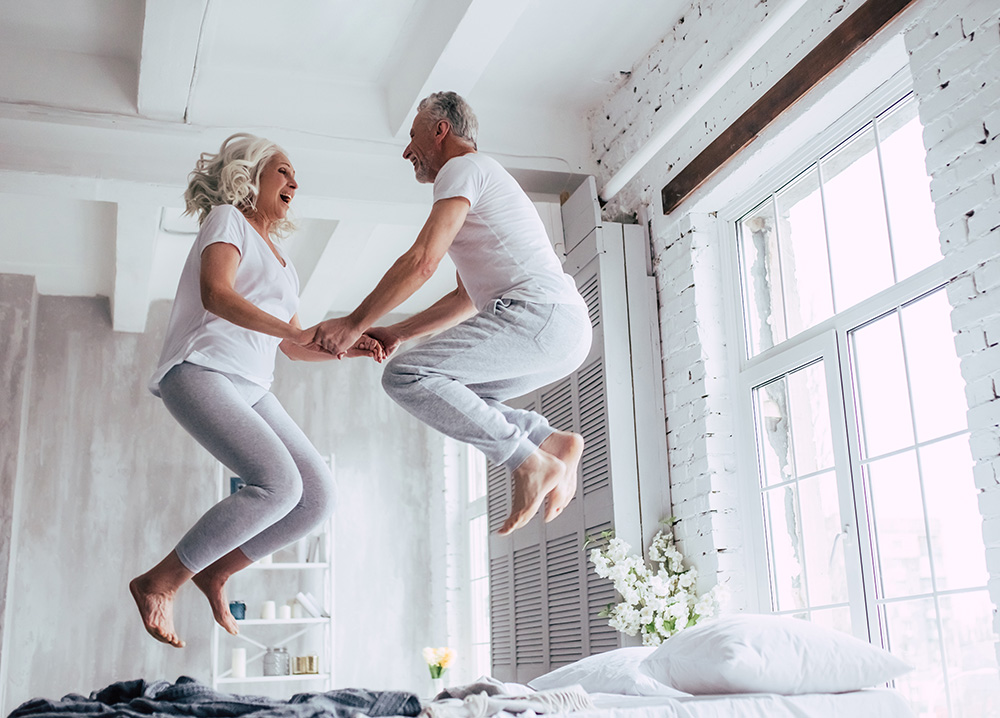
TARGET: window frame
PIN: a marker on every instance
(827, 340)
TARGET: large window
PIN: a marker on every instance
(856, 416)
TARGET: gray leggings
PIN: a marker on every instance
(289, 488)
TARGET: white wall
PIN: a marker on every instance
(110, 482)
(953, 51)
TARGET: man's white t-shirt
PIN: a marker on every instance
(502, 250)
(196, 335)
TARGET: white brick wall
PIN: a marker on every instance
(954, 50)
(668, 77)
(699, 429)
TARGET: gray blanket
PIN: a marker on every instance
(187, 697)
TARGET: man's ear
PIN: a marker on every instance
(442, 129)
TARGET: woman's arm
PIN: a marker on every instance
(219, 262)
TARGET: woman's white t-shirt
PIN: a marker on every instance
(196, 335)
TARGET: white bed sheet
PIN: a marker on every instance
(868, 703)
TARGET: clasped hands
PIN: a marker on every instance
(341, 338)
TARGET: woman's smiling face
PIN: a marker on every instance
(277, 187)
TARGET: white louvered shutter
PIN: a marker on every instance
(544, 594)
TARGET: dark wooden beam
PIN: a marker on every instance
(829, 54)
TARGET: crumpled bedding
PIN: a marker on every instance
(488, 697)
(188, 697)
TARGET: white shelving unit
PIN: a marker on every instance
(279, 581)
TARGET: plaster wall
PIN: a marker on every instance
(18, 303)
(111, 482)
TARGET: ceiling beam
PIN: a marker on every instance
(135, 247)
(342, 250)
(449, 48)
(171, 33)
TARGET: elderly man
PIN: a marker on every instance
(514, 323)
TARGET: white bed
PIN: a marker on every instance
(867, 703)
(738, 665)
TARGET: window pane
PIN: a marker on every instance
(784, 531)
(897, 518)
(971, 654)
(477, 473)
(773, 440)
(805, 265)
(479, 559)
(880, 381)
(856, 225)
(836, 619)
(824, 551)
(913, 636)
(956, 525)
(810, 414)
(907, 188)
(763, 306)
(936, 382)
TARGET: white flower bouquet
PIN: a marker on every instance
(656, 603)
(438, 660)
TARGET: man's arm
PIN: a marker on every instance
(405, 276)
(446, 312)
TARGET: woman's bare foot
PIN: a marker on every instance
(156, 608)
(215, 592)
(568, 448)
(212, 582)
(537, 476)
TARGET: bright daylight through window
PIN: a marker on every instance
(865, 494)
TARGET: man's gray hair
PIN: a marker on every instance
(452, 107)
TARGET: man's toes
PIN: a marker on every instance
(513, 522)
(552, 508)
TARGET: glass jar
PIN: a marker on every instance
(276, 662)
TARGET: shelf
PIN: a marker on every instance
(276, 679)
(280, 621)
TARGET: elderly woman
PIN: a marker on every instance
(235, 306)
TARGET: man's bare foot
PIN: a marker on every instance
(157, 610)
(215, 592)
(568, 448)
(537, 476)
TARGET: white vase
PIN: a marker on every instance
(437, 685)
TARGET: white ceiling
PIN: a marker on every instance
(106, 104)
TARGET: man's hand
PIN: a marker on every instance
(388, 338)
(335, 336)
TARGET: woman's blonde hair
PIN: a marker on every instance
(232, 176)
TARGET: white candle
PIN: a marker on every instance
(296, 610)
(239, 663)
(267, 610)
(284, 612)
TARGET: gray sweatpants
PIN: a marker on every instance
(457, 381)
(289, 488)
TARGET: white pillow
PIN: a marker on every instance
(769, 654)
(614, 671)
